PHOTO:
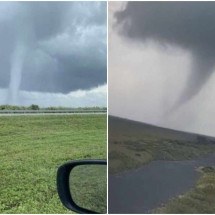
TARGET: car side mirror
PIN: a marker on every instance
(82, 186)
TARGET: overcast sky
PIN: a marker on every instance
(53, 53)
(161, 63)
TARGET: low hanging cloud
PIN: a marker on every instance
(52, 47)
(80, 98)
(187, 25)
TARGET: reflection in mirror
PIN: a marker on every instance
(88, 187)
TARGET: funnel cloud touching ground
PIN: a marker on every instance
(188, 25)
(149, 78)
(47, 47)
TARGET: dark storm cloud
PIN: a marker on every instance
(62, 45)
(188, 25)
(68, 72)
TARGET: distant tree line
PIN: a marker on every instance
(15, 107)
(36, 107)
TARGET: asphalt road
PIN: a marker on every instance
(146, 188)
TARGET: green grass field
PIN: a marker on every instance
(32, 148)
(199, 200)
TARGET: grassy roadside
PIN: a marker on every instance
(200, 200)
(32, 148)
(133, 144)
(135, 153)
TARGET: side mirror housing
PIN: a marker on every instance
(82, 186)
